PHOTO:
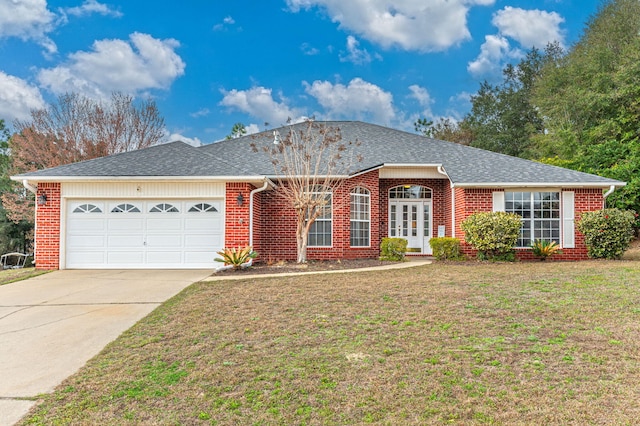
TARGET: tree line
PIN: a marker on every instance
(577, 108)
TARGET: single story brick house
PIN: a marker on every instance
(175, 205)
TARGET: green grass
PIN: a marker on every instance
(524, 343)
(8, 276)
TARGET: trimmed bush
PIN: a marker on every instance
(393, 249)
(446, 248)
(493, 234)
(607, 233)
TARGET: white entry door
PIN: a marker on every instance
(411, 220)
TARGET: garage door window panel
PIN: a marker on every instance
(87, 208)
(164, 208)
(125, 208)
(202, 208)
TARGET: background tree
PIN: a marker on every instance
(13, 236)
(590, 99)
(503, 117)
(308, 162)
(444, 129)
(76, 128)
(237, 131)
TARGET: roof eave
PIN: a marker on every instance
(37, 179)
(617, 184)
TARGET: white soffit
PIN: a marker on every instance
(142, 189)
(428, 172)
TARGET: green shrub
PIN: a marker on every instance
(493, 234)
(393, 249)
(607, 233)
(545, 248)
(446, 248)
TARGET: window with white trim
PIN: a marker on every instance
(540, 212)
(125, 208)
(163, 208)
(320, 231)
(202, 208)
(87, 208)
(360, 227)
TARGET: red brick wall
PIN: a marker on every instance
(278, 225)
(237, 217)
(469, 201)
(47, 233)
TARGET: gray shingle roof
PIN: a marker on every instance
(171, 160)
(379, 146)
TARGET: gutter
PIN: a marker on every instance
(606, 194)
(30, 187)
(453, 201)
(251, 194)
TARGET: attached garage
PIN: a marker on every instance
(133, 233)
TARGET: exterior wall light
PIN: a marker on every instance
(42, 199)
(240, 199)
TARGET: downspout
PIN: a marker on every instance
(606, 194)
(30, 187)
(255, 191)
(453, 202)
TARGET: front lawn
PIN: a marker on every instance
(524, 343)
(8, 276)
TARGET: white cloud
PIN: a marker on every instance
(133, 66)
(355, 55)
(259, 103)
(202, 112)
(27, 20)
(424, 99)
(18, 98)
(252, 129)
(178, 137)
(92, 6)
(226, 22)
(358, 100)
(530, 28)
(308, 50)
(419, 25)
(489, 62)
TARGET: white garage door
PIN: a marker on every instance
(143, 234)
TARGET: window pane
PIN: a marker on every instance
(360, 212)
(540, 212)
(320, 230)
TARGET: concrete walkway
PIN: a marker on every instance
(51, 325)
(409, 263)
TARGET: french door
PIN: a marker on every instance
(411, 220)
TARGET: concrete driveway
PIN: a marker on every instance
(51, 325)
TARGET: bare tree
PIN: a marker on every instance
(77, 128)
(311, 163)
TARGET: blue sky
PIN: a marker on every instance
(210, 64)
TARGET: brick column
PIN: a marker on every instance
(47, 232)
(237, 217)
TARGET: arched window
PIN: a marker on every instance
(125, 208)
(201, 208)
(360, 215)
(163, 208)
(410, 192)
(87, 208)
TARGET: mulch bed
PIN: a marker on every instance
(310, 266)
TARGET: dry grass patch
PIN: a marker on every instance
(8, 276)
(545, 343)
